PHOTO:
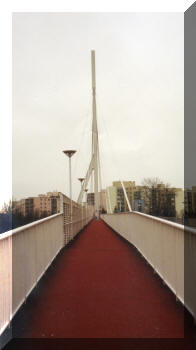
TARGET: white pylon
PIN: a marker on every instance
(94, 163)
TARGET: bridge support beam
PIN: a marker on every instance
(94, 164)
(95, 136)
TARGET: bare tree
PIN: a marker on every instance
(7, 207)
(152, 182)
(159, 197)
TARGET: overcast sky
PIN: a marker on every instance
(140, 102)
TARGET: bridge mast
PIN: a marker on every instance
(94, 164)
(95, 136)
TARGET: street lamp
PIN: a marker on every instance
(81, 179)
(86, 190)
(70, 153)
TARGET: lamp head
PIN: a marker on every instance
(69, 153)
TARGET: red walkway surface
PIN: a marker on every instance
(100, 287)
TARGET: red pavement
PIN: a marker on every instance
(102, 288)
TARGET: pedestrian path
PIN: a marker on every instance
(100, 287)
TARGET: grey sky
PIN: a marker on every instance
(140, 102)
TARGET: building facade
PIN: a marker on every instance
(190, 202)
(121, 202)
(101, 197)
(159, 200)
(42, 205)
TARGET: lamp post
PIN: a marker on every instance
(86, 190)
(81, 179)
(70, 153)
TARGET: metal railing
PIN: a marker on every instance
(5, 280)
(163, 244)
(81, 217)
(27, 252)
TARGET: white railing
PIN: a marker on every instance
(27, 252)
(71, 230)
(5, 280)
(190, 270)
(161, 242)
(80, 219)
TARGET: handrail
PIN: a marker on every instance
(75, 222)
(27, 252)
(27, 226)
(167, 246)
(164, 221)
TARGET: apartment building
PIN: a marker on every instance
(111, 199)
(43, 204)
(141, 199)
(190, 201)
(101, 198)
(179, 203)
(115, 198)
(121, 203)
(159, 200)
(47, 203)
(162, 201)
(24, 206)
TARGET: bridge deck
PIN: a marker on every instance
(100, 287)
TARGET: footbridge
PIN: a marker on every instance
(121, 276)
(79, 274)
